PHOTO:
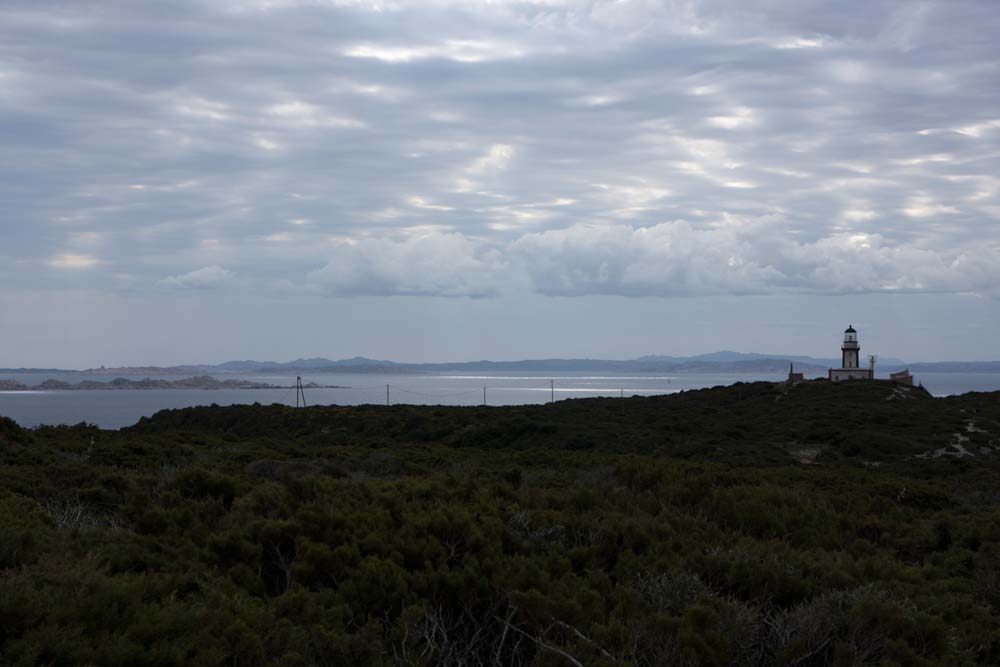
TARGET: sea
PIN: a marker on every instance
(113, 409)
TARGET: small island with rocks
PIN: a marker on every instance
(198, 382)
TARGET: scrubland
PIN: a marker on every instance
(754, 524)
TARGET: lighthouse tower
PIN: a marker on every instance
(850, 351)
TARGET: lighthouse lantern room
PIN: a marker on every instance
(849, 354)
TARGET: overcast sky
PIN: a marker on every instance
(197, 181)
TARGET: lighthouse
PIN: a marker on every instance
(850, 351)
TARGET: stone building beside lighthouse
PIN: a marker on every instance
(850, 368)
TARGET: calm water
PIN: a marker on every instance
(117, 408)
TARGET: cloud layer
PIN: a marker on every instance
(737, 256)
(472, 149)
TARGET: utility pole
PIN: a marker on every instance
(387, 394)
(552, 391)
(623, 392)
(484, 397)
(300, 390)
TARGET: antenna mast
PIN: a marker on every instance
(300, 391)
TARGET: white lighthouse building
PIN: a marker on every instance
(849, 355)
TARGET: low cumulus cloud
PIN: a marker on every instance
(207, 278)
(568, 148)
(732, 256)
(742, 257)
(434, 264)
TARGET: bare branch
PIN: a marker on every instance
(547, 647)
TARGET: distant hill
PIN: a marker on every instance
(724, 361)
(298, 364)
(649, 364)
(730, 356)
(200, 382)
(756, 423)
(956, 367)
(355, 364)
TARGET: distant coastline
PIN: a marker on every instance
(198, 382)
(716, 362)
